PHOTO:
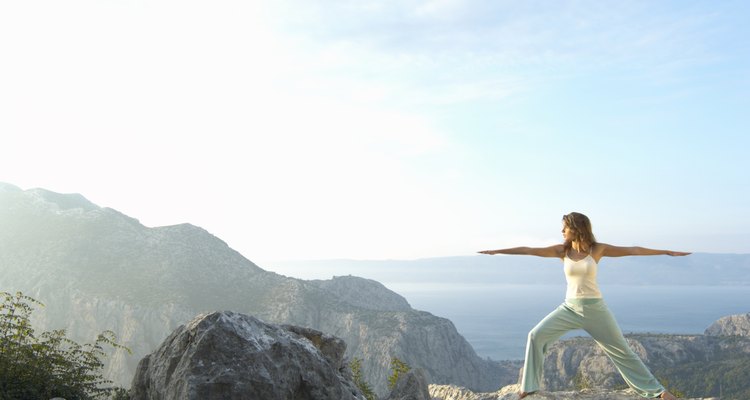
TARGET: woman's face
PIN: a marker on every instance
(568, 233)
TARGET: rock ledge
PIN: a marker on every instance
(451, 392)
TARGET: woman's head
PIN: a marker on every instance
(579, 230)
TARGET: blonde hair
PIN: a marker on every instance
(581, 227)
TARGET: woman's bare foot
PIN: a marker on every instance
(524, 394)
(667, 396)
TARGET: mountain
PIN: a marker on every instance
(97, 269)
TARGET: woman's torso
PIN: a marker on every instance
(581, 278)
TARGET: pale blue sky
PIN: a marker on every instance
(387, 129)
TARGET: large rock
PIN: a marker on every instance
(732, 325)
(227, 355)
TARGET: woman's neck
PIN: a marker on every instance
(577, 246)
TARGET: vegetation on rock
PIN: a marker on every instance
(49, 364)
(398, 368)
(356, 366)
(726, 379)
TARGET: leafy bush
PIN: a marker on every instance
(359, 380)
(399, 368)
(48, 365)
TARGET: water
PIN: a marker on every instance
(495, 319)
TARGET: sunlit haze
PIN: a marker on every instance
(387, 129)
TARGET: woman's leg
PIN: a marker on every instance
(554, 325)
(601, 325)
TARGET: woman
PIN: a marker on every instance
(584, 307)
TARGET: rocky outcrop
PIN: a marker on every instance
(731, 325)
(580, 362)
(363, 293)
(450, 392)
(97, 269)
(226, 355)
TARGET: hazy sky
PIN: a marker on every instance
(387, 129)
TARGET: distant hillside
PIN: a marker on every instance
(97, 269)
(696, 269)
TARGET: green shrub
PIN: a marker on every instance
(359, 380)
(399, 368)
(49, 364)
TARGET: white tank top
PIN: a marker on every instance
(581, 278)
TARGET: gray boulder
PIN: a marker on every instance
(227, 355)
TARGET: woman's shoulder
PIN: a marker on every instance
(598, 249)
(560, 250)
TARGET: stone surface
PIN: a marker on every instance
(226, 355)
(364, 293)
(332, 348)
(411, 386)
(450, 392)
(731, 325)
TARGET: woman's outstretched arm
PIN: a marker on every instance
(552, 251)
(607, 250)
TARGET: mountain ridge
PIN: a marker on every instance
(98, 269)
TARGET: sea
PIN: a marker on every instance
(496, 318)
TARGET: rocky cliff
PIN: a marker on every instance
(697, 365)
(97, 269)
(730, 325)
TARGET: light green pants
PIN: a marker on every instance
(593, 316)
